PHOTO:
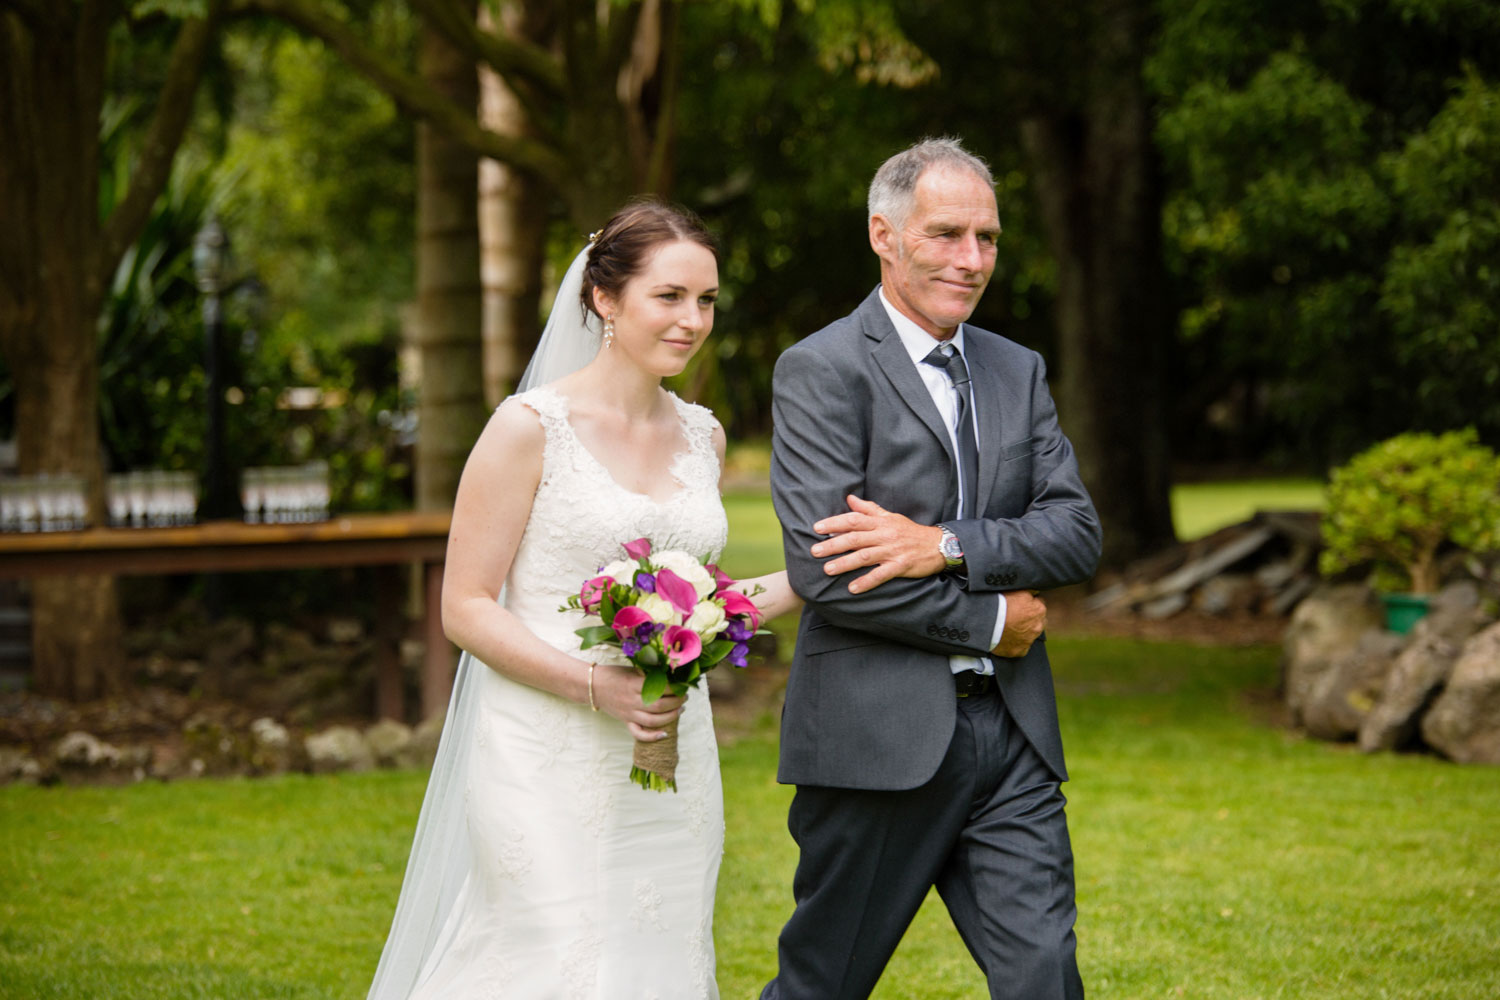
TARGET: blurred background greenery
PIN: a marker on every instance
(1249, 238)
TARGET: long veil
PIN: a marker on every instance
(440, 853)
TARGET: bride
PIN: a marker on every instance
(539, 870)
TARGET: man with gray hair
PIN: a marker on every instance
(920, 725)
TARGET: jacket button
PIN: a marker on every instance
(963, 636)
(932, 630)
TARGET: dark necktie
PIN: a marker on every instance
(945, 357)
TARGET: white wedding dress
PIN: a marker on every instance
(581, 884)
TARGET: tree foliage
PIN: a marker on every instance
(1331, 219)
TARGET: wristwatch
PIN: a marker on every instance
(950, 547)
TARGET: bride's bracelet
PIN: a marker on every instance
(591, 688)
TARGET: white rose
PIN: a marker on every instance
(707, 620)
(688, 568)
(660, 610)
(621, 570)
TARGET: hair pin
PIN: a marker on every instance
(594, 236)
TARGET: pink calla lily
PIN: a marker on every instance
(736, 603)
(628, 619)
(676, 591)
(722, 580)
(591, 594)
(638, 549)
(682, 645)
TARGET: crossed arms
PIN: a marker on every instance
(822, 438)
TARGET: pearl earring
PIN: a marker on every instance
(609, 331)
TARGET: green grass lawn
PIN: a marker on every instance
(1201, 508)
(1217, 857)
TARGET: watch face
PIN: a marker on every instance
(951, 549)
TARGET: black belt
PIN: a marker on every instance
(968, 684)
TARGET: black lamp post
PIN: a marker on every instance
(210, 262)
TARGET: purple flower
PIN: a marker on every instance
(645, 582)
(630, 647)
(737, 655)
(737, 630)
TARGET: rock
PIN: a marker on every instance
(270, 734)
(425, 739)
(1421, 670)
(1291, 594)
(1345, 693)
(1326, 624)
(85, 750)
(272, 749)
(339, 748)
(18, 766)
(212, 747)
(1464, 722)
(391, 742)
(83, 756)
(1225, 593)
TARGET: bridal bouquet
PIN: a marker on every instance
(673, 617)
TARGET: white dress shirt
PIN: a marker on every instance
(919, 343)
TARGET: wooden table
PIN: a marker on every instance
(231, 546)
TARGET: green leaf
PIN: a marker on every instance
(594, 635)
(715, 651)
(654, 687)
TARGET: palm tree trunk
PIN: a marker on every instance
(451, 402)
(512, 230)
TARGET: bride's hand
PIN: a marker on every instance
(617, 691)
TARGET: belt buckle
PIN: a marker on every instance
(970, 683)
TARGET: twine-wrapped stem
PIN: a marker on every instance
(655, 763)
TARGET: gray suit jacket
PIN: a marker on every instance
(870, 701)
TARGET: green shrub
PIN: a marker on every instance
(1397, 502)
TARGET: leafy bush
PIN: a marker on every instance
(1398, 502)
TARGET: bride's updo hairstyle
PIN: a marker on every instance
(620, 250)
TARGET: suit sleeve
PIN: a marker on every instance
(1057, 540)
(818, 450)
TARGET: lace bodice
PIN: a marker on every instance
(581, 516)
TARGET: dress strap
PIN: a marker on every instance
(698, 425)
(549, 404)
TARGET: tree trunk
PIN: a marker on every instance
(49, 303)
(512, 230)
(449, 302)
(1097, 182)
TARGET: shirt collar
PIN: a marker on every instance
(917, 341)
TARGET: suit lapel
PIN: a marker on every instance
(993, 399)
(891, 358)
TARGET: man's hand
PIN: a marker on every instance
(1025, 618)
(870, 535)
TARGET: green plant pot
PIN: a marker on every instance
(1403, 610)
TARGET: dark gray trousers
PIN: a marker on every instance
(988, 830)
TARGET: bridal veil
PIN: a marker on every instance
(440, 853)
